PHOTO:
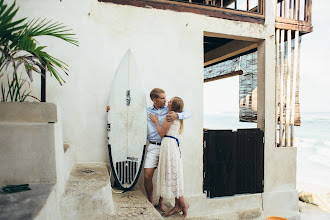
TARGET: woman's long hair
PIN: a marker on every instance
(177, 106)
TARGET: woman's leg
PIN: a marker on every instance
(176, 208)
(184, 206)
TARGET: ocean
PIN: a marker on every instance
(312, 140)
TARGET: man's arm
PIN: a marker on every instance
(171, 116)
(184, 115)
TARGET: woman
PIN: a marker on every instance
(170, 172)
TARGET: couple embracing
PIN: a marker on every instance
(165, 123)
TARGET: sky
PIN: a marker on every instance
(222, 95)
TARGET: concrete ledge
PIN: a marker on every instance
(281, 200)
(25, 112)
(237, 203)
(27, 204)
(87, 193)
(27, 153)
(281, 203)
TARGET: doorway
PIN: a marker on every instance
(233, 161)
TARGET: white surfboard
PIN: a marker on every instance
(127, 123)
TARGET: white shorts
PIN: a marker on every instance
(152, 158)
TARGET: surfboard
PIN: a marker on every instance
(127, 123)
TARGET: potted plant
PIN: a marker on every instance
(20, 53)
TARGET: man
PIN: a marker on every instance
(159, 108)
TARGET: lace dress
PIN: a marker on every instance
(170, 170)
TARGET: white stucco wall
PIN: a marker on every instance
(168, 47)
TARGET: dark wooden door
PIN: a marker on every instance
(233, 162)
(220, 162)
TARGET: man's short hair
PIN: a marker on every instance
(154, 94)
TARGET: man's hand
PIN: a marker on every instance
(171, 116)
(108, 108)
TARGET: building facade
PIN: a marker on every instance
(167, 39)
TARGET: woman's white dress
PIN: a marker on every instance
(170, 170)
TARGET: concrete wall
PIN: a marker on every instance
(27, 152)
(168, 47)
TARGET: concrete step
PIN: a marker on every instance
(133, 205)
(87, 193)
(253, 214)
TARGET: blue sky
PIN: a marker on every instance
(222, 95)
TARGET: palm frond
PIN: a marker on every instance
(48, 28)
(18, 44)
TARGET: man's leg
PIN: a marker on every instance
(148, 174)
(161, 205)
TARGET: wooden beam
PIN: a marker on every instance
(231, 49)
(294, 27)
(291, 21)
(233, 37)
(227, 75)
(224, 13)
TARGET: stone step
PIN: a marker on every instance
(87, 193)
(133, 205)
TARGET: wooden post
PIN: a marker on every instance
(277, 80)
(276, 8)
(310, 11)
(298, 11)
(294, 9)
(306, 11)
(294, 80)
(290, 9)
(288, 88)
(281, 88)
(285, 8)
(247, 5)
(221, 4)
(43, 85)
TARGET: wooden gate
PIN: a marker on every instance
(233, 162)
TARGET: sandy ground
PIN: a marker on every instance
(312, 212)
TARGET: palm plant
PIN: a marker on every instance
(19, 48)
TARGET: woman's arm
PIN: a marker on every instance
(165, 125)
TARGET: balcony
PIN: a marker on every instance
(295, 15)
(290, 14)
(239, 10)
